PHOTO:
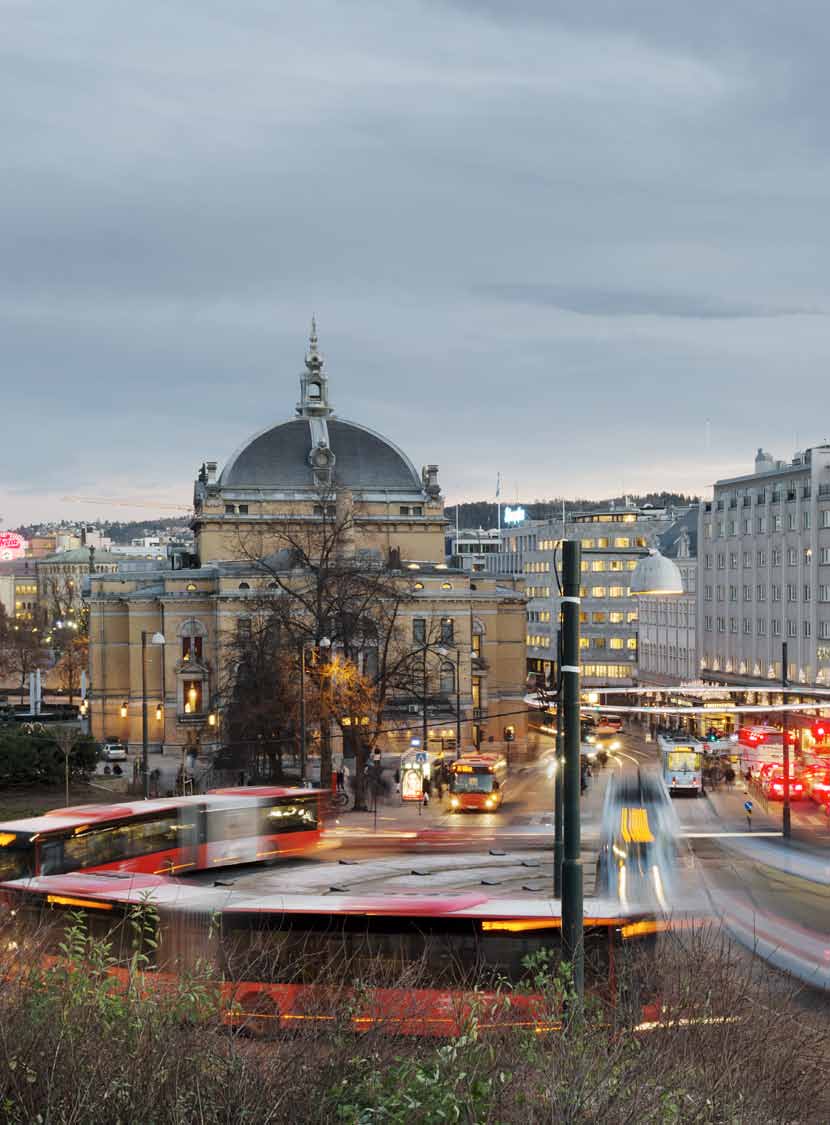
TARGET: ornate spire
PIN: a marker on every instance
(314, 389)
(313, 359)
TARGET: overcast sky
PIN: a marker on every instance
(540, 237)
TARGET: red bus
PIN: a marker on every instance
(477, 782)
(286, 960)
(164, 836)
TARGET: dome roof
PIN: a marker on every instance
(278, 458)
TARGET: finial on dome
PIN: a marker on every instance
(314, 395)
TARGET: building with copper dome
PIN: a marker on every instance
(289, 479)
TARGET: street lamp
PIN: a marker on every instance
(572, 893)
(153, 639)
(323, 643)
(443, 653)
(655, 576)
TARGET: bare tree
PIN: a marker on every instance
(21, 650)
(318, 587)
(260, 689)
(73, 659)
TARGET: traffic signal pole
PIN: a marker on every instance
(572, 904)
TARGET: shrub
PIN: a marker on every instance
(733, 1046)
(35, 759)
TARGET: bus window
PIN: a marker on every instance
(681, 761)
(17, 856)
(295, 814)
(117, 842)
(476, 781)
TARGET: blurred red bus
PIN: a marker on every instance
(285, 961)
(164, 836)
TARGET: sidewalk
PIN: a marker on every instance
(728, 803)
(793, 858)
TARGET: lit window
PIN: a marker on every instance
(622, 541)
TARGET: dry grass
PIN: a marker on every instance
(73, 1048)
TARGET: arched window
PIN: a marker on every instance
(447, 678)
(192, 635)
(244, 586)
(477, 639)
(313, 390)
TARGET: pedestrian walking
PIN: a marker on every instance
(341, 780)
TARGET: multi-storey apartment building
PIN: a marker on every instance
(613, 541)
(469, 549)
(764, 559)
(667, 640)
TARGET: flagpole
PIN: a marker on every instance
(498, 502)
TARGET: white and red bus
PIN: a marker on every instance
(285, 961)
(477, 782)
(760, 746)
(178, 834)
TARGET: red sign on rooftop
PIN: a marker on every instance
(12, 545)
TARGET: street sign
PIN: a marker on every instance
(421, 756)
(748, 806)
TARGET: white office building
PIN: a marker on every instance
(764, 559)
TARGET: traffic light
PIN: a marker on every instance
(820, 729)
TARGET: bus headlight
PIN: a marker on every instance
(616, 744)
(454, 802)
(489, 802)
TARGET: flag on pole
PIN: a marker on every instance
(498, 485)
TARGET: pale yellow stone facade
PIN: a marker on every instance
(277, 483)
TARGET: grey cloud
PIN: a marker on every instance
(622, 302)
(183, 184)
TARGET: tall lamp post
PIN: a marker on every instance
(154, 639)
(444, 653)
(653, 575)
(572, 904)
(325, 644)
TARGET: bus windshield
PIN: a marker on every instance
(680, 761)
(473, 782)
(17, 856)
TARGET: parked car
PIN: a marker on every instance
(113, 752)
(816, 780)
(773, 786)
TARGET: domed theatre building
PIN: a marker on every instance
(292, 480)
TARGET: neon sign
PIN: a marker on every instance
(12, 545)
(514, 515)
